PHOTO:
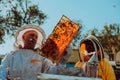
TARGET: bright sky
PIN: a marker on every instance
(92, 13)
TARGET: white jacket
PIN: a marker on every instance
(26, 64)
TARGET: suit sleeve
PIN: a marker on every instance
(110, 74)
(3, 67)
(46, 65)
(107, 72)
(6, 61)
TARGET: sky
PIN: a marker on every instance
(91, 13)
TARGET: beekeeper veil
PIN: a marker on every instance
(18, 36)
(89, 48)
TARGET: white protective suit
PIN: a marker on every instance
(25, 64)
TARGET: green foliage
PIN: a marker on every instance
(18, 13)
(2, 33)
(109, 37)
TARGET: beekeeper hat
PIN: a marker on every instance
(90, 45)
(28, 27)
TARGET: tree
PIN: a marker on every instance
(2, 33)
(110, 39)
(18, 13)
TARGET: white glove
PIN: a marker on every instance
(66, 55)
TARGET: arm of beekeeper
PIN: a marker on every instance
(3, 73)
(56, 69)
(67, 53)
(3, 67)
(46, 65)
(62, 64)
(5, 63)
(79, 64)
(6, 60)
(106, 70)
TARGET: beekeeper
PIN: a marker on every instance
(26, 62)
(92, 59)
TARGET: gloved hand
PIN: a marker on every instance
(66, 55)
(61, 65)
(90, 69)
(3, 73)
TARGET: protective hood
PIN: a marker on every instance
(92, 48)
(28, 27)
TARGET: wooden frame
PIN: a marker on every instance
(59, 39)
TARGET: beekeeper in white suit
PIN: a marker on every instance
(25, 62)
